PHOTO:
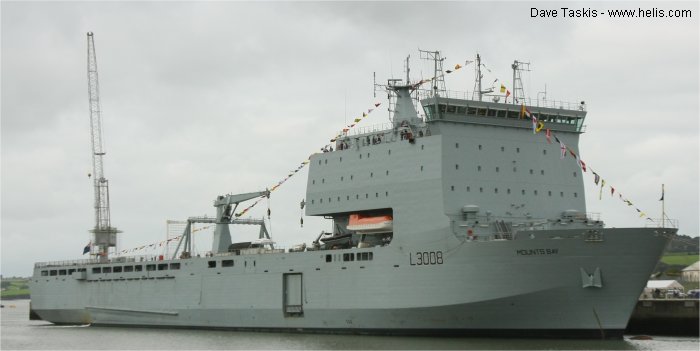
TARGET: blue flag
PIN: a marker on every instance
(86, 249)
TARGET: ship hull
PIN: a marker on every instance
(551, 283)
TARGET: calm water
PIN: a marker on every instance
(18, 332)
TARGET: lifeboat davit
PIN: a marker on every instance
(371, 224)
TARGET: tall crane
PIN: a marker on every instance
(104, 235)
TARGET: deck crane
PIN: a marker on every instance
(104, 235)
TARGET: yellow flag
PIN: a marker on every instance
(540, 125)
(458, 66)
(503, 88)
(357, 120)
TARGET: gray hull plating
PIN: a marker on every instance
(475, 288)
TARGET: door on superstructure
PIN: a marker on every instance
(292, 295)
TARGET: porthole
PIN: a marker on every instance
(366, 196)
(478, 168)
(522, 191)
(357, 196)
(456, 145)
(542, 172)
(575, 175)
(503, 149)
(351, 177)
(508, 191)
(535, 192)
(341, 178)
(452, 187)
(549, 193)
(341, 159)
(456, 166)
(515, 169)
(495, 190)
(386, 193)
(422, 147)
(338, 198)
(360, 156)
(479, 147)
(368, 155)
(531, 172)
(575, 194)
(371, 174)
(468, 188)
(421, 168)
(544, 152)
(347, 198)
(390, 151)
(387, 172)
(313, 181)
(561, 193)
(376, 194)
(517, 150)
(323, 180)
(481, 190)
(320, 201)
(325, 161)
(319, 162)
(497, 169)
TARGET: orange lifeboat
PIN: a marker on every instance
(371, 224)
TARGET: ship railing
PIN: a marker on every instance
(658, 223)
(373, 128)
(466, 95)
(93, 261)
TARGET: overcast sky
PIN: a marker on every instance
(201, 99)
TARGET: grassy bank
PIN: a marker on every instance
(15, 289)
(683, 259)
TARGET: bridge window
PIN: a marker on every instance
(329, 258)
(96, 270)
(227, 263)
(348, 257)
(162, 266)
(128, 268)
(211, 264)
(365, 256)
(118, 269)
(138, 268)
(44, 273)
(150, 267)
(61, 272)
(175, 266)
(106, 269)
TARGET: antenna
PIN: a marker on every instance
(105, 236)
(518, 68)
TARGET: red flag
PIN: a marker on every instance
(612, 191)
(377, 104)
(583, 165)
(548, 133)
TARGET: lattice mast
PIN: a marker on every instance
(518, 90)
(104, 235)
(438, 83)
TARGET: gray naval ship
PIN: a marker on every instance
(458, 223)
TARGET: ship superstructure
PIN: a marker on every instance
(460, 223)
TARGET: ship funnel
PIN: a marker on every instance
(404, 109)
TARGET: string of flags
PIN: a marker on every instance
(291, 173)
(538, 126)
(158, 244)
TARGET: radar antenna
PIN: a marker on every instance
(104, 235)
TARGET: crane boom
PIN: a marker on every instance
(104, 233)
